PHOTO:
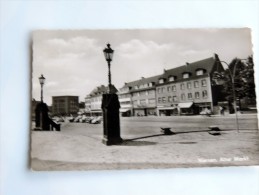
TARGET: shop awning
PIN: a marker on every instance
(96, 111)
(167, 108)
(124, 110)
(185, 105)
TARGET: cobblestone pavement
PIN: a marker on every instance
(78, 146)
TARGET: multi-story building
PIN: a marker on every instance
(126, 108)
(93, 101)
(63, 105)
(140, 96)
(188, 89)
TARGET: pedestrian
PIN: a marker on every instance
(220, 110)
(223, 110)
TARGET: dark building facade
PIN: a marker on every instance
(64, 105)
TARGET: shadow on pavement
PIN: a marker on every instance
(137, 143)
(144, 137)
(132, 142)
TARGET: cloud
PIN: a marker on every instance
(73, 61)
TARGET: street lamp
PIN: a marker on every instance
(110, 108)
(232, 76)
(108, 54)
(41, 110)
(42, 81)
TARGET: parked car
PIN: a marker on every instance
(89, 119)
(58, 119)
(82, 119)
(71, 118)
(97, 120)
(206, 112)
(77, 119)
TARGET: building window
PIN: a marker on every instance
(152, 101)
(164, 100)
(186, 75)
(142, 93)
(196, 84)
(159, 100)
(189, 95)
(135, 102)
(197, 95)
(205, 94)
(171, 78)
(199, 72)
(189, 85)
(182, 86)
(182, 96)
(203, 83)
(161, 81)
(135, 94)
(143, 102)
(162, 90)
(169, 98)
(174, 98)
(168, 88)
(158, 90)
(151, 92)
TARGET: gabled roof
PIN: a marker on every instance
(142, 81)
(206, 64)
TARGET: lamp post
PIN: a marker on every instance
(110, 107)
(108, 54)
(232, 77)
(42, 81)
(41, 111)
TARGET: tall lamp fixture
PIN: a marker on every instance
(110, 107)
(108, 54)
(42, 81)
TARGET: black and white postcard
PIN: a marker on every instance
(143, 99)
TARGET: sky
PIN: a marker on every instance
(73, 63)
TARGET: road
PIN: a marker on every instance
(78, 146)
(145, 126)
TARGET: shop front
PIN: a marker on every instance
(167, 111)
(186, 108)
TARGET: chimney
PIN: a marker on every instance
(142, 77)
(164, 70)
(216, 57)
(187, 63)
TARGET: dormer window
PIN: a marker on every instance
(135, 87)
(200, 72)
(186, 75)
(162, 80)
(172, 78)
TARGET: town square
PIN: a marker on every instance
(200, 113)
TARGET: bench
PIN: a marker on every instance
(214, 130)
(166, 130)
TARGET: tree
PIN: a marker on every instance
(241, 73)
